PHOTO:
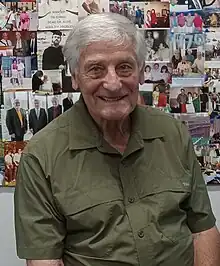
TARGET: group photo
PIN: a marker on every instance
(188, 100)
(20, 43)
(55, 15)
(18, 16)
(188, 64)
(157, 45)
(50, 45)
(158, 73)
(16, 73)
(25, 113)
(156, 15)
(12, 155)
(186, 22)
(131, 10)
(188, 41)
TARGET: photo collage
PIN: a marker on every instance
(182, 69)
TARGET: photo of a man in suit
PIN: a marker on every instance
(37, 118)
(32, 44)
(53, 55)
(55, 110)
(68, 102)
(16, 122)
(20, 46)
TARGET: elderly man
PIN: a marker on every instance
(110, 182)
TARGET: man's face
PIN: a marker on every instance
(56, 39)
(33, 35)
(108, 77)
(182, 92)
(36, 104)
(5, 36)
(17, 104)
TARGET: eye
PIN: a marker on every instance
(125, 67)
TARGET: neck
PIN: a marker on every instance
(116, 133)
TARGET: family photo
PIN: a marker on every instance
(131, 10)
(186, 22)
(12, 156)
(50, 45)
(18, 16)
(158, 73)
(188, 100)
(157, 45)
(16, 72)
(55, 15)
(157, 15)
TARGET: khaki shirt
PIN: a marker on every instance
(79, 199)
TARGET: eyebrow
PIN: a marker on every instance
(101, 61)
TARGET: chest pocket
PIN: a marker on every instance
(91, 220)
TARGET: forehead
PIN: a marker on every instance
(56, 36)
(108, 52)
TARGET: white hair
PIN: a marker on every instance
(103, 27)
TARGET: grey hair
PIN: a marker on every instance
(103, 27)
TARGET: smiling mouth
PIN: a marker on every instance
(112, 99)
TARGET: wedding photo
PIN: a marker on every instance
(131, 10)
(186, 22)
(57, 15)
(16, 73)
(157, 15)
(18, 16)
(157, 45)
(49, 46)
(87, 7)
(12, 155)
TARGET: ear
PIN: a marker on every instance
(74, 82)
(141, 75)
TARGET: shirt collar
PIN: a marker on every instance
(84, 133)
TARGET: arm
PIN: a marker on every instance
(207, 248)
(45, 263)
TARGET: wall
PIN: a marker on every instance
(7, 244)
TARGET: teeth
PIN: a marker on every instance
(111, 99)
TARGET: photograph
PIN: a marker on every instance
(198, 125)
(25, 113)
(186, 22)
(2, 164)
(21, 43)
(156, 96)
(57, 15)
(18, 16)
(188, 100)
(12, 155)
(158, 73)
(188, 41)
(87, 7)
(47, 81)
(211, 20)
(157, 45)
(50, 45)
(156, 15)
(69, 99)
(203, 4)
(212, 49)
(212, 81)
(16, 73)
(188, 64)
(131, 10)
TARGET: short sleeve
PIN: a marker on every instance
(39, 227)
(199, 211)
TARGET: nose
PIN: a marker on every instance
(112, 81)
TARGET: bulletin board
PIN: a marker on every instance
(182, 72)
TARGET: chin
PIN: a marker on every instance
(113, 115)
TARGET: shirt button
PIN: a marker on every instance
(131, 200)
(141, 233)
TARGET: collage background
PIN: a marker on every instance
(162, 41)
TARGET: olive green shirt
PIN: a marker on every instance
(79, 199)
